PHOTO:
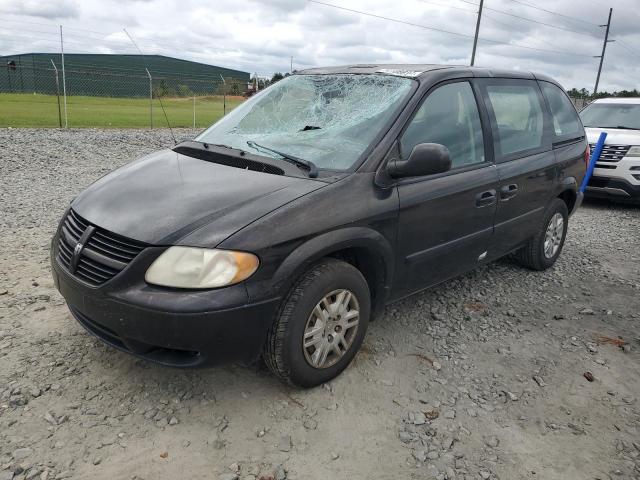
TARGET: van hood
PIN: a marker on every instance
(168, 198)
(615, 136)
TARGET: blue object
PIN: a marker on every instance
(595, 156)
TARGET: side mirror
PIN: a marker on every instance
(425, 159)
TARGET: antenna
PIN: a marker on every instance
(144, 61)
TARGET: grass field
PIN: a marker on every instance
(27, 110)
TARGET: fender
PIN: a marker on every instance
(369, 240)
(569, 187)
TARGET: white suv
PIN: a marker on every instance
(617, 173)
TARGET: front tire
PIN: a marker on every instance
(320, 326)
(543, 250)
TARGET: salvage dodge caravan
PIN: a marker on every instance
(284, 228)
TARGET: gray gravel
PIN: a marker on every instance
(482, 377)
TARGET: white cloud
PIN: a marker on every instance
(260, 36)
(62, 9)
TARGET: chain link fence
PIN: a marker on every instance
(35, 96)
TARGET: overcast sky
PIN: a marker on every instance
(261, 36)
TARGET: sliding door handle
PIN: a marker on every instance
(508, 191)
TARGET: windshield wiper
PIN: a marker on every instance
(619, 127)
(313, 170)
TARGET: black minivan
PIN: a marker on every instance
(287, 225)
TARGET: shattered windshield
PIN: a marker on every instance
(327, 119)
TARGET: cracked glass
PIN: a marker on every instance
(329, 120)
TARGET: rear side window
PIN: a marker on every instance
(449, 116)
(565, 117)
(518, 116)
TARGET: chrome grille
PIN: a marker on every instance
(611, 153)
(92, 254)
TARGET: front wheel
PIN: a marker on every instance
(543, 250)
(320, 326)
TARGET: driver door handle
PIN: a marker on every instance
(485, 199)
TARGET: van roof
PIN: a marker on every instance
(627, 100)
(411, 70)
(403, 70)
(421, 71)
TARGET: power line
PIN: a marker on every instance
(527, 47)
(486, 40)
(494, 19)
(395, 20)
(627, 47)
(530, 19)
(575, 19)
(540, 23)
(475, 12)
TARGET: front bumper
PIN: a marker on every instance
(169, 326)
(613, 188)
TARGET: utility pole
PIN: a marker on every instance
(64, 80)
(475, 38)
(604, 47)
(291, 69)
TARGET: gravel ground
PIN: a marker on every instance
(479, 378)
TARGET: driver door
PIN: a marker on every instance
(446, 220)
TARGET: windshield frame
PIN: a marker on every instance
(594, 105)
(393, 116)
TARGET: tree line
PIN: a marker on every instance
(584, 93)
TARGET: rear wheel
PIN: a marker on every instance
(320, 326)
(543, 250)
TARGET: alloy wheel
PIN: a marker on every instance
(553, 235)
(331, 328)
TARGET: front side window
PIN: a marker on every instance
(612, 115)
(449, 116)
(519, 117)
(329, 120)
(565, 117)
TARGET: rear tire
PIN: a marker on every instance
(545, 247)
(320, 325)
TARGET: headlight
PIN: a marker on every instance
(190, 267)
(633, 152)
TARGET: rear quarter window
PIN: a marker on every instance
(566, 123)
(519, 117)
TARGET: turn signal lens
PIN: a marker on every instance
(191, 267)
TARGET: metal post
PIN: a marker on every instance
(224, 96)
(57, 93)
(604, 47)
(150, 98)
(64, 80)
(194, 111)
(475, 38)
